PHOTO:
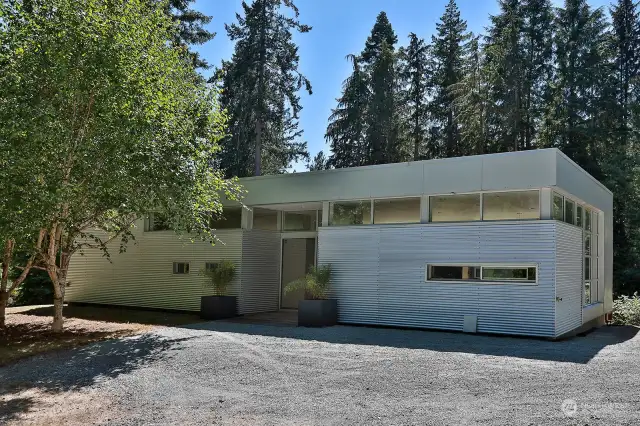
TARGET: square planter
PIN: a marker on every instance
(218, 307)
(317, 313)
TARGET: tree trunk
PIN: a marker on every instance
(4, 299)
(58, 321)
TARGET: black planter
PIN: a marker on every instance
(218, 307)
(317, 313)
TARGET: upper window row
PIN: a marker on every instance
(567, 210)
(512, 205)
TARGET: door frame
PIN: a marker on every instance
(289, 236)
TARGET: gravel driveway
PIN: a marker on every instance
(223, 373)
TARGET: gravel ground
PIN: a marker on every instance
(223, 373)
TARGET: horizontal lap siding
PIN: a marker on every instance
(260, 271)
(397, 255)
(143, 275)
(568, 278)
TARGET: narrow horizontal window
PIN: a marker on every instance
(483, 273)
(399, 210)
(511, 205)
(455, 208)
(350, 213)
(180, 268)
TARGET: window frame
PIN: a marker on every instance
(481, 280)
(187, 268)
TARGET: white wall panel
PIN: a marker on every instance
(569, 284)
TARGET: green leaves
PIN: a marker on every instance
(316, 284)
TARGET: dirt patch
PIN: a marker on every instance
(27, 335)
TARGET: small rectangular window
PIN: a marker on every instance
(210, 266)
(569, 211)
(580, 216)
(455, 208)
(350, 213)
(511, 205)
(180, 268)
(398, 210)
(558, 206)
(523, 274)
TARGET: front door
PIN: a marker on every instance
(298, 256)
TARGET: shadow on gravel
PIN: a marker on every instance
(78, 368)
(576, 350)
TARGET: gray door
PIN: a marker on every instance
(298, 255)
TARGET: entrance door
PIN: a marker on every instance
(298, 255)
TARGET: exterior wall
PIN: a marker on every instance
(569, 284)
(575, 181)
(143, 275)
(260, 271)
(380, 275)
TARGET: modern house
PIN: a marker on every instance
(513, 243)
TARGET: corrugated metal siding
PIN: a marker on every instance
(380, 270)
(143, 276)
(260, 271)
(568, 278)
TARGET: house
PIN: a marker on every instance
(512, 243)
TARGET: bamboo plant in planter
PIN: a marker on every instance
(219, 305)
(316, 310)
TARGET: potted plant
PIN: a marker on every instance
(219, 305)
(316, 310)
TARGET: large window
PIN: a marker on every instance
(455, 208)
(231, 218)
(265, 219)
(350, 213)
(483, 273)
(511, 205)
(300, 221)
(558, 207)
(396, 210)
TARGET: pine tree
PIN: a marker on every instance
(471, 103)
(260, 90)
(319, 162)
(450, 47)
(583, 83)
(382, 32)
(191, 29)
(347, 127)
(622, 155)
(382, 138)
(414, 72)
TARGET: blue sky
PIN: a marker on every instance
(340, 27)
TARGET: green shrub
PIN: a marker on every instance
(315, 284)
(626, 310)
(220, 277)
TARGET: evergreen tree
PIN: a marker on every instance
(622, 155)
(382, 137)
(450, 47)
(471, 103)
(260, 90)
(191, 29)
(319, 162)
(414, 77)
(347, 127)
(382, 32)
